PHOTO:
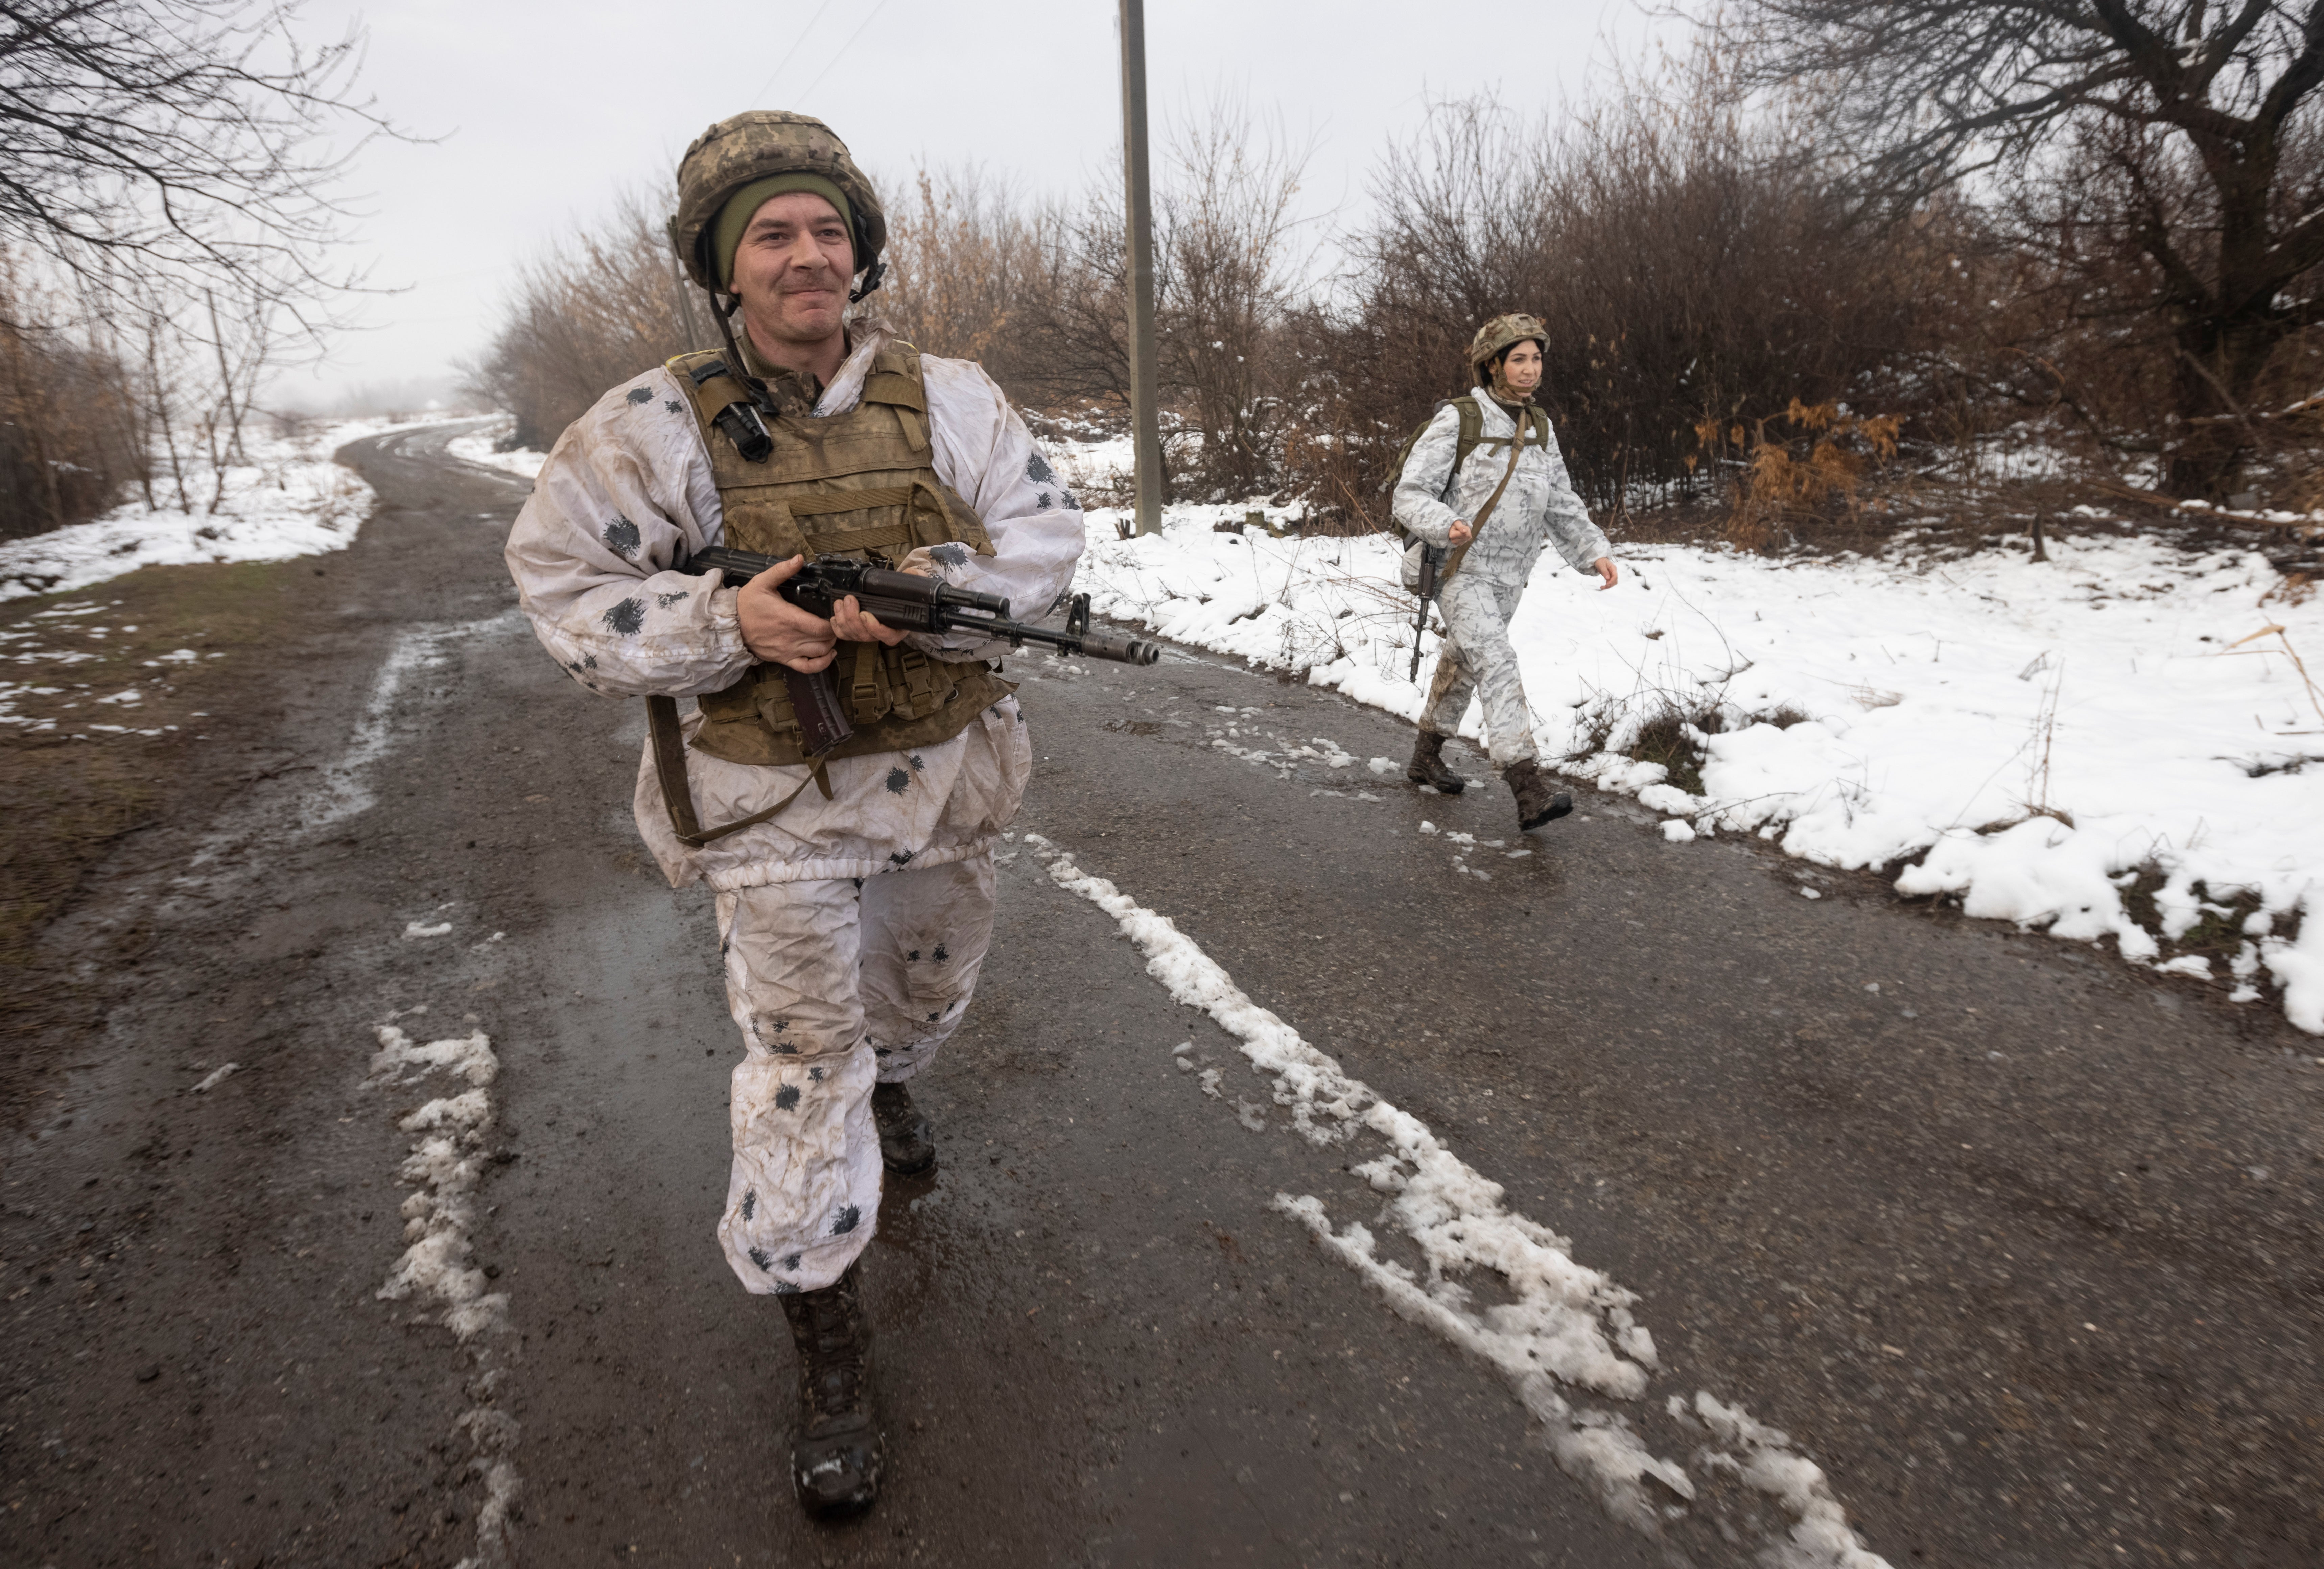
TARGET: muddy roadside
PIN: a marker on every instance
(192, 1249)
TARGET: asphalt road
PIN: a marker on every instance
(2019, 1245)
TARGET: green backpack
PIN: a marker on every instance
(1472, 436)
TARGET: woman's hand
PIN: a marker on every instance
(1604, 567)
(1461, 533)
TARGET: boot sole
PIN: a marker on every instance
(1454, 788)
(900, 1169)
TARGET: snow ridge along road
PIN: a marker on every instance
(1565, 1321)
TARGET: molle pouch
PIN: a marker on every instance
(916, 687)
(865, 686)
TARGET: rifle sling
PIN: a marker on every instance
(677, 794)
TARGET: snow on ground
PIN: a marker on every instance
(1567, 1323)
(2024, 736)
(288, 499)
(481, 446)
(447, 1155)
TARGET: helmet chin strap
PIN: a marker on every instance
(724, 315)
(871, 277)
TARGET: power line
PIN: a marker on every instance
(791, 53)
(843, 50)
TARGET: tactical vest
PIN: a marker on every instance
(859, 484)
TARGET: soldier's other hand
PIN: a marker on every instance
(1604, 567)
(775, 629)
(920, 563)
(1461, 533)
(856, 625)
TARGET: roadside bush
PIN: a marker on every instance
(1686, 257)
(72, 435)
(604, 308)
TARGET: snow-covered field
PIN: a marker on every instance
(2028, 737)
(289, 500)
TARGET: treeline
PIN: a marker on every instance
(170, 218)
(1729, 307)
(146, 391)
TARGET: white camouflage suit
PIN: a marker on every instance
(851, 930)
(1538, 508)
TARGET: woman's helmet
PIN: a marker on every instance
(752, 146)
(1500, 333)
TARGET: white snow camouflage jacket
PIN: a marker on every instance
(1538, 508)
(627, 491)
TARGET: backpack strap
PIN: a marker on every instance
(1472, 429)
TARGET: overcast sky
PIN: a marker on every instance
(540, 113)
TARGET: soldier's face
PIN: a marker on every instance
(1522, 368)
(793, 267)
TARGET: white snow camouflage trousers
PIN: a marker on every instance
(1478, 658)
(837, 983)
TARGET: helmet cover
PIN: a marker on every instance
(750, 147)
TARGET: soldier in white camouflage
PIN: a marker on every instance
(854, 881)
(1492, 509)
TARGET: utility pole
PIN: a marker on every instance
(1145, 423)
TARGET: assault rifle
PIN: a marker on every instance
(910, 603)
(1431, 558)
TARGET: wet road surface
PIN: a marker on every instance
(2021, 1247)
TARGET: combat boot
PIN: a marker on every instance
(1537, 803)
(836, 1457)
(1427, 766)
(908, 1141)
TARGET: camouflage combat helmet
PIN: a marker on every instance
(751, 146)
(1503, 331)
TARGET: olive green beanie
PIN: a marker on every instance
(735, 215)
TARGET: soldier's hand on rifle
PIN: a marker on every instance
(1461, 533)
(1604, 567)
(775, 629)
(859, 626)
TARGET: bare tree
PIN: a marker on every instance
(1689, 264)
(2189, 110)
(192, 137)
(1230, 217)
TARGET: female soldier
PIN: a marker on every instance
(1493, 507)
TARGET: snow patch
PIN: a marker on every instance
(438, 1263)
(345, 790)
(1567, 1323)
(291, 499)
(482, 447)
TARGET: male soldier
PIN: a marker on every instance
(1487, 483)
(854, 895)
